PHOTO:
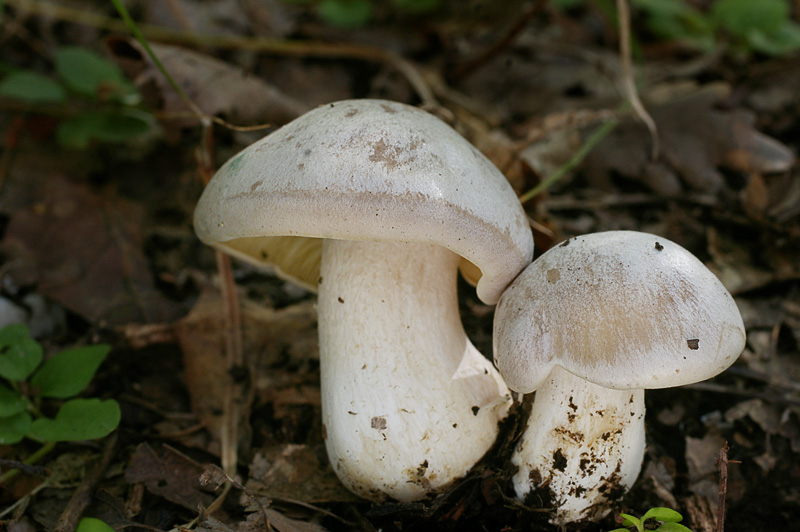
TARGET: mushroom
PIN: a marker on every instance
(375, 204)
(589, 325)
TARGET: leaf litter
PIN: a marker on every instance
(725, 187)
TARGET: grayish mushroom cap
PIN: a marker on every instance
(621, 309)
(365, 170)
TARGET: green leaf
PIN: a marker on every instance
(31, 87)
(69, 372)
(90, 524)
(19, 355)
(629, 520)
(740, 17)
(92, 75)
(620, 530)
(14, 428)
(103, 126)
(672, 527)
(13, 333)
(346, 14)
(784, 41)
(78, 419)
(662, 514)
(10, 402)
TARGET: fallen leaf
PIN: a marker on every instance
(169, 474)
(269, 336)
(278, 521)
(700, 514)
(84, 250)
(696, 140)
(215, 87)
(701, 461)
(296, 472)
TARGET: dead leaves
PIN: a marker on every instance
(83, 249)
(697, 139)
(216, 88)
(271, 338)
(171, 475)
(296, 472)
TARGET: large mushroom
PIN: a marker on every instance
(589, 325)
(375, 204)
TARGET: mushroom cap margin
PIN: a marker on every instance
(366, 170)
(621, 309)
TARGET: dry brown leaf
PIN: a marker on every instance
(84, 250)
(696, 138)
(169, 474)
(296, 472)
(278, 521)
(700, 514)
(216, 87)
(268, 335)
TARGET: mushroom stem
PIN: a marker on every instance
(408, 404)
(584, 443)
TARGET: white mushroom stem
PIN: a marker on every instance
(408, 404)
(583, 446)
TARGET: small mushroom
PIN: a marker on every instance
(375, 204)
(589, 325)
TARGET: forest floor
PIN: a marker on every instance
(98, 246)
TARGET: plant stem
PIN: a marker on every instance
(32, 459)
(594, 139)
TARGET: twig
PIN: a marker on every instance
(722, 463)
(32, 459)
(23, 501)
(236, 42)
(628, 84)
(82, 496)
(37, 471)
(498, 46)
(229, 431)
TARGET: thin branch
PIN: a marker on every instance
(628, 83)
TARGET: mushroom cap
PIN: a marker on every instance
(365, 170)
(621, 309)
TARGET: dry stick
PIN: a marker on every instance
(233, 339)
(235, 42)
(82, 496)
(501, 44)
(628, 84)
(722, 463)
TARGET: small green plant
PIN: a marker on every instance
(668, 521)
(91, 524)
(763, 26)
(106, 102)
(26, 382)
